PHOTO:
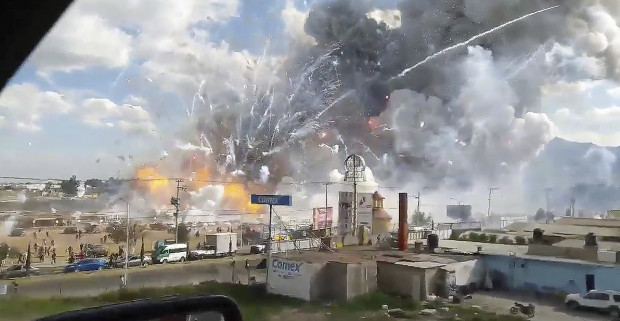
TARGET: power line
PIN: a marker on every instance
(138, 179)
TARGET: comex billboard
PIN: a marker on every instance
(459, 212)
(286, 269)
(345, 211)
(322, 217)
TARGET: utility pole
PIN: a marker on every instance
(491, 189)
(175, 201)
(354, 223)
(547, 198)
(127, 249)
(326, 184)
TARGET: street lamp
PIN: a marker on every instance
(454, 199)
(127, 249)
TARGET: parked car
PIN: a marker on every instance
(201, 254)
(86, 265)
(17, 271)
(134, 260)
(257, 248)
(92, 229)
(70, 230)
(17, 232)
(96, 250)
(606, 301)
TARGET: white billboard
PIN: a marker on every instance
(345, 211)
(290, 278)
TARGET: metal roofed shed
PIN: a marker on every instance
(418, 279)
(320, 276)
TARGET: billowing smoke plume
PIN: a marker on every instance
(472, 115)
(585, 172)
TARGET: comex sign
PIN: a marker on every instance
(271, 199)
(286, 269)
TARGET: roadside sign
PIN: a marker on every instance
(283, 200)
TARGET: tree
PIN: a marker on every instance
(8, 252)
(119, 233)
(421, 219)
(183, 233)
(540, 215)
(590, 240)
(520, 240)
(70, 187)
(112, 185)
(537, 236)
(94, 182)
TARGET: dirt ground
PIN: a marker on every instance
(63, 241)
(501, 303)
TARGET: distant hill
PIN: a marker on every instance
(588, 172)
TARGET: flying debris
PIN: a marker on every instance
(404, 97)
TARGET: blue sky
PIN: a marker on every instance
(63, 135)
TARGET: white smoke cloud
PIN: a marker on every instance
(264, 174)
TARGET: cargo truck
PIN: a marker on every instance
(222, 243)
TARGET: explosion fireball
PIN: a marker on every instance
(432, 100)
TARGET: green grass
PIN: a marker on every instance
(254, 304)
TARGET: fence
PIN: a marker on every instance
(298, 244)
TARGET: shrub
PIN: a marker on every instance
(506, 240)
(492, 238)
(520, 240)
(455, 235)
(473, 237)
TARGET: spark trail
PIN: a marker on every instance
(466, 42)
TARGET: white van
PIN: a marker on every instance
(170, 253)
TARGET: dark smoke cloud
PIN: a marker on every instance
(470, 116)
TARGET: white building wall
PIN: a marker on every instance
(467, 272)
(290, 278)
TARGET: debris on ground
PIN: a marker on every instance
(428, 312)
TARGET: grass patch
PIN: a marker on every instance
(254, 303)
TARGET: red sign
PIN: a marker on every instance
(322, 218)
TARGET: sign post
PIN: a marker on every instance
(271, 200)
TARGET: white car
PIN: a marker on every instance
(608, 301)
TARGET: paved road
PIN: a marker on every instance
(93, 283)
(501, 303)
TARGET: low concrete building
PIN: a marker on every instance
(550, 274)
(417, 276)
(405, 278)
(320, 276)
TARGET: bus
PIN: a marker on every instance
(170, 253)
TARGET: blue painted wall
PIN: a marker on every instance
(550, 276)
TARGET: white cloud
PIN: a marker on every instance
(181, 69)
(584, 111)
(139, 128)
(113, 32)
(596, 125)
(80, 40)
(22, 105)
(98, 112)
(390, 17)
(294, 21)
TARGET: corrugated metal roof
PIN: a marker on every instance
(420, 265)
